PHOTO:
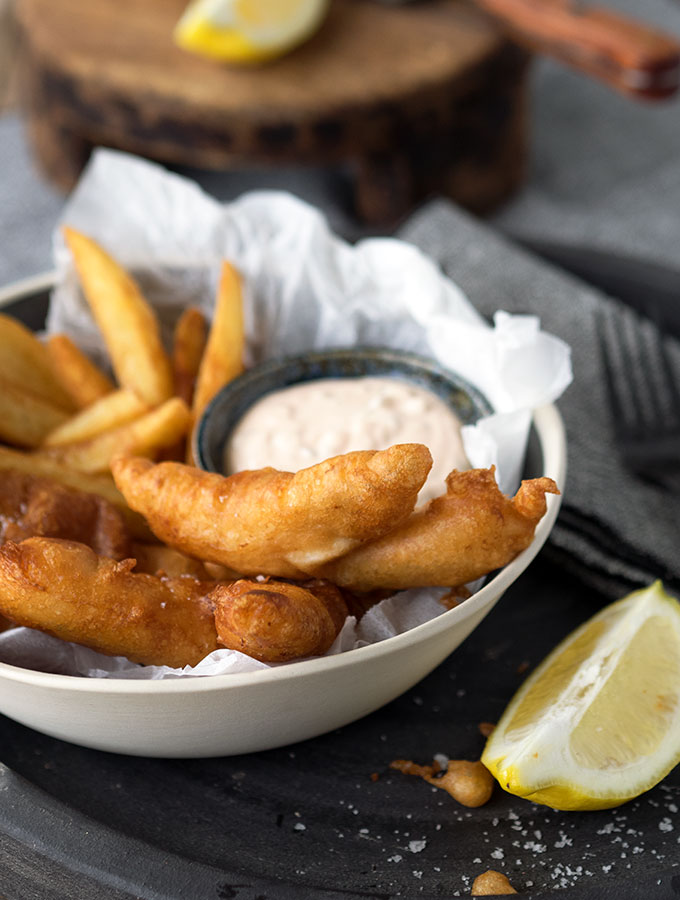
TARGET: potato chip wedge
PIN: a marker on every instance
(142, 437)
(188, 346)
(25, 361)
(110, 411)
(26, 418)
(127, 322)
(45, 467)
(83, 381)
(223, 357)
(189, 340)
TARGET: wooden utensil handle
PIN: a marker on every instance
(632, 57)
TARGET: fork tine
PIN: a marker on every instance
(643, 394)
(611, 384)
(668, 376)
(651, 370)
(621, 387)
(635, 361)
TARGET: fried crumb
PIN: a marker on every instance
(491, 883)
(374, 776)
(522, 667)
(486, 729)
(408, 767)
(455, 597)
(470, 783)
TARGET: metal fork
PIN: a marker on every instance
(643, 394)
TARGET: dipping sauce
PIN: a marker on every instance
(304, 424)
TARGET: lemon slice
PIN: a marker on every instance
(598, 722)
(248, 31)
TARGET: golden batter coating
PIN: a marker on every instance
(458, 537)
(31, 506)
(65, 589)
(278, 621)
(276, 523)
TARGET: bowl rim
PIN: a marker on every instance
(24, 287)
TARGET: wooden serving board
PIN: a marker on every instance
(418, 99)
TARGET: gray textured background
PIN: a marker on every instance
(605, 171)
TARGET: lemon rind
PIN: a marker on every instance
(582, 788)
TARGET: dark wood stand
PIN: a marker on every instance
(416, 100)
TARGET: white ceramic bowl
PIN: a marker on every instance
(242, 713)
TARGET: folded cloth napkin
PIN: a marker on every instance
(614, 531)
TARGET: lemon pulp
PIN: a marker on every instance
(598, 722)
(248, 31)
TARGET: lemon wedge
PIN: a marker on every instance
(598, 722)
(248, 31)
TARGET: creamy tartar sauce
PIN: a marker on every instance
(306, 423)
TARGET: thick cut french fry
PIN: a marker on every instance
(107, 413)
(143, 436)
(25, 417)
(223, 357)
(127, 322)
(79, 376)
(187, 352)
(45, 467)
(25, 361)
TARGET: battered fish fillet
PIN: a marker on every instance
(467, 532)
(276, 523)
(31, 506)
(64, 588)
(278, 621)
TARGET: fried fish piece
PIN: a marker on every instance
(101, 484)
(65, 589)
(276, 523)
(31, 506)
(276, 621)
(469, 531)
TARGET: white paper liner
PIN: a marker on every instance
(31, 649)
(305, 289)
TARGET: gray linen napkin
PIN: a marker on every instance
(614, 531)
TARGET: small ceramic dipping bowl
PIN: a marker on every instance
(230, 404)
